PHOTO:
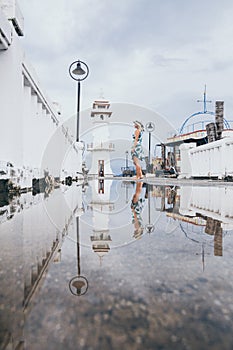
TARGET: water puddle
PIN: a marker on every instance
(115, 264)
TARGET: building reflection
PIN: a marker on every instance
(32, 232)
(127, 185)
(203, 213)
(214, 228)
(101, 206)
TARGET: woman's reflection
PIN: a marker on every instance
(136, 207)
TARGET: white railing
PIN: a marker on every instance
(5, 32)
(102, 146)
(12, 12)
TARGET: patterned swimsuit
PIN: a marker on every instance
(138, 151)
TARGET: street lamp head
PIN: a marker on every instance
(78, 70)
(150, 127)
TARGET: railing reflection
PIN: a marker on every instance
(101, 146)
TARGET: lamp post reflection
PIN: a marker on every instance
(149, 227)
(78, 284)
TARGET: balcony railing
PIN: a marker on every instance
(102, 146)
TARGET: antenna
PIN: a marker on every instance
(204, 101)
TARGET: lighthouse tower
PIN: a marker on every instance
(101, 147)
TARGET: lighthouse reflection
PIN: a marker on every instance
(101, 206)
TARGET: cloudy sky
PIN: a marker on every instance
(157, 54)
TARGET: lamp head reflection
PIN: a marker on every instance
(78, 285)
(150, 228)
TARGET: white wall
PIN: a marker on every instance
(213, 159)
(11, 103)
(28, 119)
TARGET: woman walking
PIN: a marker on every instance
(136, 150)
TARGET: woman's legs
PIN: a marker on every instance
(138, 167)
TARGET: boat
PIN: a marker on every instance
(202, 149)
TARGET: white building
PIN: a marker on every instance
(101, 147)
(28, 118)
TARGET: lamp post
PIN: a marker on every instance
(78, 74)
(149, 128)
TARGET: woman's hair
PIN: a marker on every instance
(139, 124)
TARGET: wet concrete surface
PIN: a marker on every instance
(168, 289)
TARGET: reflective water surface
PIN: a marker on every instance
(114, 264)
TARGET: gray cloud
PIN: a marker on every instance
(139, 51)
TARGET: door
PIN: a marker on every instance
(101, 168)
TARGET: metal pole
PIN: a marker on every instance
(78, 111)
(149, 204)
(127, 194)
(78, 246)
(149, 153)
(126, 160)
(149, 227)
